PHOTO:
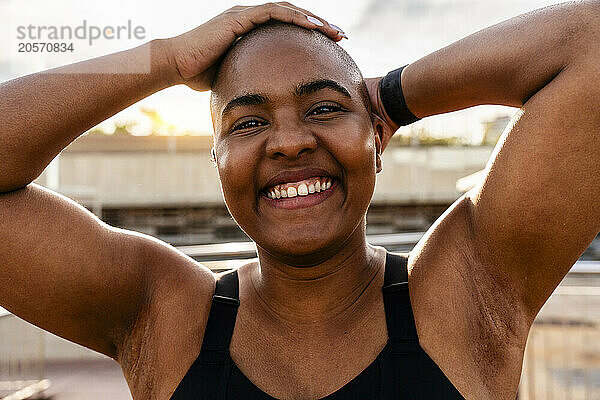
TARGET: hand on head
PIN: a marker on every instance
(195, 54)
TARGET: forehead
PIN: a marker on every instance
(276, 65)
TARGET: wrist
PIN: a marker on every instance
(381, 109)
(163, 62)
(392, 99)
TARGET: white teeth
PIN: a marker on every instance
(302, 190)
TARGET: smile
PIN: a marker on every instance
(301, 194)
(305, 187)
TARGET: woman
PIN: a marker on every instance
(298, 139)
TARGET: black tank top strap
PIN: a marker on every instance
(221, 320)
(399, 317)
(207, 375)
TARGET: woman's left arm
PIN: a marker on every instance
(539, 206)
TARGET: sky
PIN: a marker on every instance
(383, 35)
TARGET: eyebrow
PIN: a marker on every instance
(315, 86)
(303, 89)
(245, 100)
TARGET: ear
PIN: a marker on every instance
(379, 131)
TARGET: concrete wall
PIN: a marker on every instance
(425, 175)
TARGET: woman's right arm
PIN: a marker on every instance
(60, 267)
(42, 113)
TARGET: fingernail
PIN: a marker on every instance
(337, 28)
(314, 20)
(343, 35)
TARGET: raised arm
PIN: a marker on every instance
(60, 267)
(44, 112)
(539, 206)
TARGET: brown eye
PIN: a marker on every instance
(324, 109)
(249, 124)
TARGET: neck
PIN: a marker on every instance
(323, 293)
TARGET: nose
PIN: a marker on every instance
(290, 139)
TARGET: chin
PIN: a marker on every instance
(308, 248)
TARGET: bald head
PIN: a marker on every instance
(275, 46)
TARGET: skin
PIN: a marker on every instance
(477, 278)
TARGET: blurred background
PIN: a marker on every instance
(148, 169)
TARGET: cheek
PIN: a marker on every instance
(236, 167)
(355, 150)
(360, 166)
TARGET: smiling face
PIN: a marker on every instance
(294, 143)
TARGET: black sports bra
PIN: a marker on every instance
(402, 370)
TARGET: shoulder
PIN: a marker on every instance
(173, 278)
(175, 274)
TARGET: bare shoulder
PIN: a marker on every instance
(167, 335)
(469, 320)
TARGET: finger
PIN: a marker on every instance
(236, 9)
(272, 11)
(320, 24)
(292, 15)
(332, 31)
(329, 29)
